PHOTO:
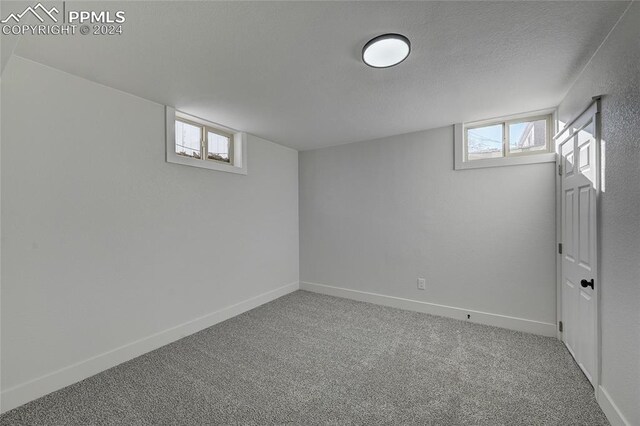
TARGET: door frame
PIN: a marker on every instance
(594, 108)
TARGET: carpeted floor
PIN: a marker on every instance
(312, 359)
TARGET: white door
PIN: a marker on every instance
(579, 156)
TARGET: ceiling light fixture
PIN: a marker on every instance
(386, 50)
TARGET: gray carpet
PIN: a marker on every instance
(312, 359)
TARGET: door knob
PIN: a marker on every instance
(585, 283)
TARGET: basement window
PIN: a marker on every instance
(522, 139)
(195, 142)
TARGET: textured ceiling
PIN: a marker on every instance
(291, 71)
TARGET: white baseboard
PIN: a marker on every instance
(33, 389)
(496, 320)
(610, 409)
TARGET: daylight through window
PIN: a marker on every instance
(508, 138)
(194, 140)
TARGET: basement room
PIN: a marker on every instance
(320, 213)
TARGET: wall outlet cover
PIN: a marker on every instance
(422, 284)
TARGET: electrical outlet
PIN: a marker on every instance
(422, 284)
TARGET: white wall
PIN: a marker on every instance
(97, 227)
(614, 72)
(376, 215)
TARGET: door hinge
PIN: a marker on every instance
(560, 326)
(559, 248)
(560, 169)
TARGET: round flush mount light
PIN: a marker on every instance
(386, 50)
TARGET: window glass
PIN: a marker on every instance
(484, 142)
(188, 139)
(528, 136)
(218, 147)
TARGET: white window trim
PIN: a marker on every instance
(239, 148)
(544, 157)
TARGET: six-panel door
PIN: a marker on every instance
(579, 187)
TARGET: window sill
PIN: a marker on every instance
(547, 157)
(204, 164)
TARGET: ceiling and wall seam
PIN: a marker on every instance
(575, 80)
(28, 21)
(131, 94)
(286, 78)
